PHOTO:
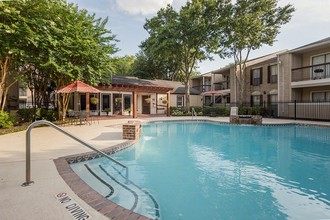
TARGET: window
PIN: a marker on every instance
(127, 102)
(218, 99)
(272, 74)
(256, 100)
(256, 77)
(272, 98)
(106, 102)
(320, 69)
(321, 96)
(179, 101)
(22, 91)
(228, 99)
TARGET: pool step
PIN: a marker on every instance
(109, 181)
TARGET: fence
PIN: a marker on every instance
(292, 110)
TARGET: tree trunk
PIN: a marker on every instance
(4, 66)
(187, 90)
(63, 103)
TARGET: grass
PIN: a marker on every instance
(24, 126)
(14, 129)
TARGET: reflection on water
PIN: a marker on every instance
(210, 171)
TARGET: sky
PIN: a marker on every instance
(310, 22)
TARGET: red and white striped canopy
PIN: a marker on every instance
(78, 86)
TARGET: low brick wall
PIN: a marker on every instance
(246, 119)
(132, 131)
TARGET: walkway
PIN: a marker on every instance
(38, 200)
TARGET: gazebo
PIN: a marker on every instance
(80, 87)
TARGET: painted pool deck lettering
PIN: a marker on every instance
(75, 210)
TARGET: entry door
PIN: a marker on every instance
(82, 102)
(145, 104)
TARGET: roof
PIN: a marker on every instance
(254, 61)
(78, 86)
(129, 83)
(312, 45)
(209, 74)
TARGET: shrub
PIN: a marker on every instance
(217, 110)
(197, 108)
(6, 120)
(27, 115)
(255, 110)
(49, 115)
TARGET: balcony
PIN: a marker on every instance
(222, 85)
(315, 75)
(203, 88)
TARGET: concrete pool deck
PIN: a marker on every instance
(38, 201)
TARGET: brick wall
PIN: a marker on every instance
(131, 131)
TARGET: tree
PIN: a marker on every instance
(251, 24)
(182, 38)
(52, 42)
(147, 67)
(123, 65)
(9, 46)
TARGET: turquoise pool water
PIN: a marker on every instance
(196, 170)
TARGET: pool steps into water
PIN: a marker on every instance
(113, 185)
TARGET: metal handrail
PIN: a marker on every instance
(193, 113)
(28, 149)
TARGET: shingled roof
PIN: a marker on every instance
(176, 87)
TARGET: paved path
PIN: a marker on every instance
(38, 200)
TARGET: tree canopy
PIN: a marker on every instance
(51, 41)
(179, 40)
(250, 25)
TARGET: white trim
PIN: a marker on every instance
(309, 47)
(310, 83)
(256, 93)
(273, 92)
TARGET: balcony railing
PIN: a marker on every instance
(314, 72)
(221, 85)
(203, 88)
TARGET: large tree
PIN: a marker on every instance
(53, 41)
(250, 25)
(123, 65)
(9, 45)
(182, 39)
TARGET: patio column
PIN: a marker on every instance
(76, 101)
(87, 101)
(168, 113)
(134, 104)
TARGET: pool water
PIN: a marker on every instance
(200, 170)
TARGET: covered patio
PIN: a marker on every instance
(145, 95)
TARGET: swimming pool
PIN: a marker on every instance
(201, 170)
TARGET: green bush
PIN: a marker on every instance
(27, 115)
(255, 110)
(6, 120)
(197, 109)
(49, 115)
(217, 111)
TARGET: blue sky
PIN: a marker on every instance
(310, 22)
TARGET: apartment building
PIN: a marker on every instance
(288, 83)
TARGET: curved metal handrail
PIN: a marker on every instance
(28, 149)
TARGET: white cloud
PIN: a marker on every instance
(144, 7)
